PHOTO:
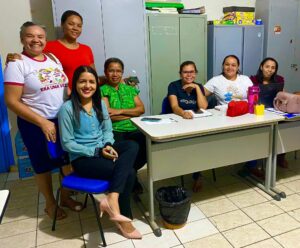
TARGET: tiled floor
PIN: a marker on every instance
(227, 213)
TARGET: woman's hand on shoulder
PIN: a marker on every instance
(109, 152)
(12, 57)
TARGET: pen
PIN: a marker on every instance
(173, 119)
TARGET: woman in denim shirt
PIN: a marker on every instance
(86, 134)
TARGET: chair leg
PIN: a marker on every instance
(182, 181)
(85, 200)
(214, 175)
(98, 219)
(55, 211)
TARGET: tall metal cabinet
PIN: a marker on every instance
(173, 39)
(282, 37)
(113, 29)
(246, 42)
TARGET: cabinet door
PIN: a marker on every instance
(193, 43)
(124, 37)
(227, 40)
(253, 49)
(164, 56)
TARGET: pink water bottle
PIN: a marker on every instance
(253, 94)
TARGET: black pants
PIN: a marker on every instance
(139, 138)
(120, 173)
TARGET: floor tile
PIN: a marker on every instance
(269, 243)
(65, 243)
(20, 214)
(25, 240)
(236, 189)
(285, 189)
(3, 177)
(195, 230)
(66, 231)
(168, 239)
(285, 176)
(12, 176)
(245, 235)
(247, 199)
(17, 227)
(112, 236)
(122, 244)
(195, 214)
(217, 207)
(263, 211)
(294, 186)
(290, 239)
(207, 195)
(22, 201)
(214, 241)
(295, 214)
(230, 220)
(290, 203)
(279, 224)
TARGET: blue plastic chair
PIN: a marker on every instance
(76, 183)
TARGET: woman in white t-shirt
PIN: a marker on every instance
(230, 85)
(34, 90)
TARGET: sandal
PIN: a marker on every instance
(61, 214)
(71, 204)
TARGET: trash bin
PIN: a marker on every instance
(174, 205)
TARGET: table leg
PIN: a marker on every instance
(274, 164)
(151, 220)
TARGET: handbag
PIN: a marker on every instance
(237, 108)
(287, 102)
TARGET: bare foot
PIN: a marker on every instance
(71, 204)
(197, 187)
(61, 214)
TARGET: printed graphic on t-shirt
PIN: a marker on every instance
(185, 101)
(52, 78)
(234, 91)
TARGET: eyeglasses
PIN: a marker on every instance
(115, 71)
(188, 72)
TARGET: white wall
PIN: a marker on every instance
(13, 13)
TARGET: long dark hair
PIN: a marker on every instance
(75, 99)
(231, 56)
(259, 74)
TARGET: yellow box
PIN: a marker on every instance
(259, 109)
(242, 18)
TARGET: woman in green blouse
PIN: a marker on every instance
(124, 103)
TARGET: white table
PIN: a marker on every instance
(4, 196)
(287, 139)
(187, 146)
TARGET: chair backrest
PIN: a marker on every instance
(56, 152)
(212, 101)
(166, 107)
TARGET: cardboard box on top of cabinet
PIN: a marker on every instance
(240, 15)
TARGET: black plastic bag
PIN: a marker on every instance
(174, 204)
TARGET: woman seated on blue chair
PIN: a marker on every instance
(86, 134)
(185, 94)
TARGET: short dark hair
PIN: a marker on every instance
(260, 75)
(75, 99)
(113, 60)
(188, 62)
(231, 56)
(30, 24)
(69, 13)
